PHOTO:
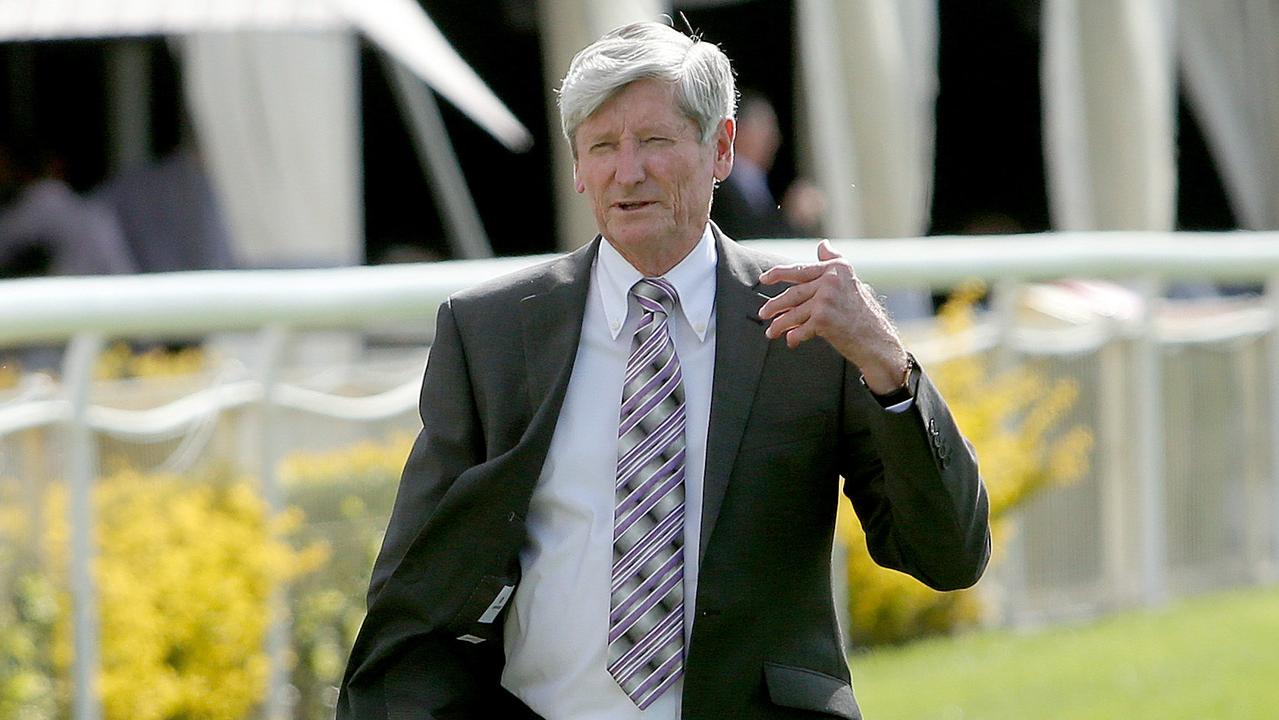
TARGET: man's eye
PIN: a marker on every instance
(657, 140)
(602, 146)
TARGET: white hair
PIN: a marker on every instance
(703, 78)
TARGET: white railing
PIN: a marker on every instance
(1129, 396)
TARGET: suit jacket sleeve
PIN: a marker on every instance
(404, 663)
(915, 487)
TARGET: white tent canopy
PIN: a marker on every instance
(273, 89)
(399, 27)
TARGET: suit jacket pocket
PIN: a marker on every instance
(805, 689)
(476, 621)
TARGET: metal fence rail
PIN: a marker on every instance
(1184, 404)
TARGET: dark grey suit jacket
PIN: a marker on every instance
(785, 424)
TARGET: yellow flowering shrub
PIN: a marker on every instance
(1012, 419)
(347, 496)
(185, 569)
(184, 574)
(365, 463)
(9, 375)
(28, 609)
(119, 361)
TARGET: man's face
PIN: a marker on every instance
(647, 172)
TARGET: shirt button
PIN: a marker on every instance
(615, 326)
(700, 328)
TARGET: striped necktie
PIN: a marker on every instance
(646, 618)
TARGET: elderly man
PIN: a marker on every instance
(622, 501)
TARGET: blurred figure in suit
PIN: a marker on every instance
(46, 228)
(744, 205)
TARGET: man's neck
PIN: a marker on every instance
(662, 257)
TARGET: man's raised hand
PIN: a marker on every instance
(828, 300)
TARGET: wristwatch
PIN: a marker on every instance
(902, 394)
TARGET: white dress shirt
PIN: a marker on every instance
(556, 633)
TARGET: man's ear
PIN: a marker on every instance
(724, 148)
(577, 180)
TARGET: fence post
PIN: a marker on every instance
(1272, 356)
(272, 341)
(1004, 303)
(1115, 409)
(82, 463)
(1147, 396)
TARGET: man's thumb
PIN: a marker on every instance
(826, 252)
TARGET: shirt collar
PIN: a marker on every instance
(693, 278)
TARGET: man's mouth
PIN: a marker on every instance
(632, 205)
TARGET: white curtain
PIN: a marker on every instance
(277, 118)
(1110, 114)
(869, 87)
(569, 26)
(868, 79)
(1230, 56)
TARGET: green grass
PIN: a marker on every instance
(1211, 658)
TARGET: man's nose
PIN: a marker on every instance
(630, 165)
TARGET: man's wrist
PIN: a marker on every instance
(903, 393)
(890, 376)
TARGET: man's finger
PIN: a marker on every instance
(783, 323)
(797, 273)
(801, 333)
(826, 252)
(791, 297)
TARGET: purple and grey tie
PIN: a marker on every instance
(646, 618)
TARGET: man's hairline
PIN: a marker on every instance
(704, 139)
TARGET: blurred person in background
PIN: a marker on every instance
(169, 209)
(622, 501)
(744, 205)
(48, 229)
(169, 213)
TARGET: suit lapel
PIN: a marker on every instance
(740, 347)
(552, 326)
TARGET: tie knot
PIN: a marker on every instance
(656, 295)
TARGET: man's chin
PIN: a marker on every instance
(634, 232)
